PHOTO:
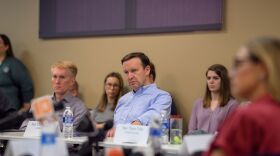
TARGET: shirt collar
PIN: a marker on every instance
(66, 98)
(144, 88)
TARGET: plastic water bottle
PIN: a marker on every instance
(68, 118)
(164, 127)
(48, 140)
(155, 135)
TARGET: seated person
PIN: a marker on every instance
(208, 113)
(145, 101)
(63, 77)
(113, 89)
(75, 89)
(254, 129)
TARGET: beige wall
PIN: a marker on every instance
(181, 58)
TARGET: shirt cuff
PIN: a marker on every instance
(144, 121)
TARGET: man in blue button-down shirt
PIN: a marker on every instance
(145, 101)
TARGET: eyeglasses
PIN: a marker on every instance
(109, 85)
(237, 63)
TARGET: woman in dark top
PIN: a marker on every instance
(254, 129)
(15, 80)
(208, 113)
(113, 89)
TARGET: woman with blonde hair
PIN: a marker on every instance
(254, 129)
(113, 89)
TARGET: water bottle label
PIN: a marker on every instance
(47, 139)
(165, 125)
(155, 132)
(68, 119)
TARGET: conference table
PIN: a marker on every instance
(19, 136)
(169, 148)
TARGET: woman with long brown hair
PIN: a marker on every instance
(113, 89)
(216, 105)
(254, 129)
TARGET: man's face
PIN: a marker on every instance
(136, 74)
(62, 80)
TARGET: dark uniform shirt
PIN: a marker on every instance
(15, 82)
(4, 106)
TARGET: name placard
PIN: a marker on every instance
(195, 143)
(131, 134)
(33, 129)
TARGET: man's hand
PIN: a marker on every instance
(111, 132)
(136, 122)
(99, 126)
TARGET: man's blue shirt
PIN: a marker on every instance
(143, 105)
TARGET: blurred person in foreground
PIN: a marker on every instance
(253, 130)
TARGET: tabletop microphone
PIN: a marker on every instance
(14, 120)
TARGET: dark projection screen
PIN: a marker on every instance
(76, 18)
